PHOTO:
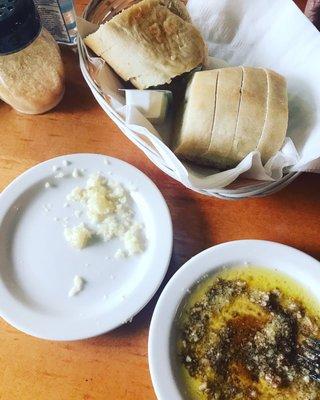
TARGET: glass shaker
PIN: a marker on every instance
(31, 68)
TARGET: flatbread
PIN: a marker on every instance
(149, 43)
(252, 113)
(276, 123)
(195, 132)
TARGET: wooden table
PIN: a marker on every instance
(114, 366)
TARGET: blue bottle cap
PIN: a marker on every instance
(19, 25)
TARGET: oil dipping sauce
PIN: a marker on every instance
(239, 334)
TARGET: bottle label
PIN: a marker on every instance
(58, 17)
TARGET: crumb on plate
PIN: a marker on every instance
(78, 285)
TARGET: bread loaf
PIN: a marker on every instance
(230, 112)
(32, 80)
(149, 43)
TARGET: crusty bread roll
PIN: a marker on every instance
(32, 80)
(230, 112)
(148, 44)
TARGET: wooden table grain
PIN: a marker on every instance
(114, 366)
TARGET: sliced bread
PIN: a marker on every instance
(252, 113)
(226, 116)
(195, 132)
(276, 123)
(231, 112)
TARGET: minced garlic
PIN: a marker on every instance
(133, 240)
(77, 236)
(120, 254)
(107, 205)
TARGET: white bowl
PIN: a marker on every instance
(296, 264)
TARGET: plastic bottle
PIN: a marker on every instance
(59, 18)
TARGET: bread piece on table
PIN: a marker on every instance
(252, 113)
(195, 132)
(276, 123)
(149, 44)
(226, 116)
(32, 80)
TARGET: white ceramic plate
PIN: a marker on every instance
(303, 268)
(38, 266)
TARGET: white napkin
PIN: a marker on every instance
(266, 33)
(273, 34)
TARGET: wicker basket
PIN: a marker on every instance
(100, 11)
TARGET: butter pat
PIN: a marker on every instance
(153, 104)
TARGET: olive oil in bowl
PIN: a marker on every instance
(238, 336)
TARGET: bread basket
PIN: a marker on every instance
(100, 11)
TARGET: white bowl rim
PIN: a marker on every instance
(303, 268)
